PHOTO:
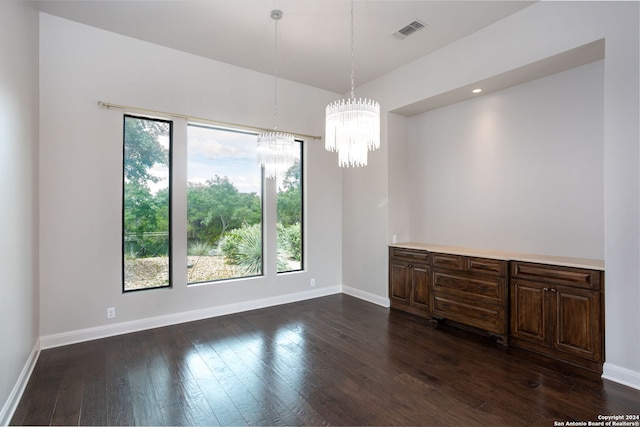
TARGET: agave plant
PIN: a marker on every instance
(243, 247)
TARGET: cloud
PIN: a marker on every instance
(214, 143)
(214, 152)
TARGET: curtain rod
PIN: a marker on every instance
(192, 119)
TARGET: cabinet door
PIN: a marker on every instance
(399, 281)
(529, 311)
(577, 322)
(420, 277)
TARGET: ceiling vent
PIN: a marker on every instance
(409, 29)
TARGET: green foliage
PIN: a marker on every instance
(282, 260)
(146, 216)
(289, 204)
(199, 248)
(243, 247)
(145, 222)
(218, 206)
(289, 209)
(142, 150)
(290, 241)
(217, 214)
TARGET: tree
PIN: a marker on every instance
(146, 216)
(289, 203)
(216, 207)
(142, 150)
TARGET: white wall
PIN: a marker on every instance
(508, 44)
(365, 197)
(400, 192)
(520, 170)
(80, 174)
(18, 196)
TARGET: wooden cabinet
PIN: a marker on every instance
(409, 277)
(558, 311)
(543, 307)
(471, 291)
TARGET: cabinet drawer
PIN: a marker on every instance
(454, 262)
(485, 317)
(487, 266)
(410, 254)
(571, 276)
(473, 285)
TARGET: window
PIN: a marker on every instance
(224, 205)
(289, 226)
(146, 217)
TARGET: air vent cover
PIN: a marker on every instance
(409, 29)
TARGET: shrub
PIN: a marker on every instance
(200, 248)
(243, 247)
(290, 241)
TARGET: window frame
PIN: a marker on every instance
(302, 214)
(173, 210)
(169, 285)
(262, 205)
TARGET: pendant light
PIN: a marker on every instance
(352, 125)
(276, 150)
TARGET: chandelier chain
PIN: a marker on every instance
(352, 55)
(275, 75)
(277, 151)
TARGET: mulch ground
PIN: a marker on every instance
(142, 273)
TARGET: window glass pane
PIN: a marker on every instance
(290, 218)
(224, 205)
(146, 201)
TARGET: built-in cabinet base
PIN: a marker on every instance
(554, 310)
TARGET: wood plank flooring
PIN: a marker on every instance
(335, 360)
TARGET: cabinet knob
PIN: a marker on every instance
(545, 289)
(554, 290)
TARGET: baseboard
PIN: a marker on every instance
(11, 404)
(367, 296)
(621, 375)
(72, 337)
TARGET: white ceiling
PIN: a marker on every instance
(313, 35)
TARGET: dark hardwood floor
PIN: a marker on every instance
(333, 360)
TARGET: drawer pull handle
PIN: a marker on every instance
(484, 316)
(554, 290)
(483, 288)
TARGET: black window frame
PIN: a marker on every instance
(302, 211)
(169, 210)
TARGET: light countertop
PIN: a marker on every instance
(593, 264)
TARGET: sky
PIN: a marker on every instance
(225, 153)
(212, 152)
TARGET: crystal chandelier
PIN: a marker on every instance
(352, 125)
(277, 151)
